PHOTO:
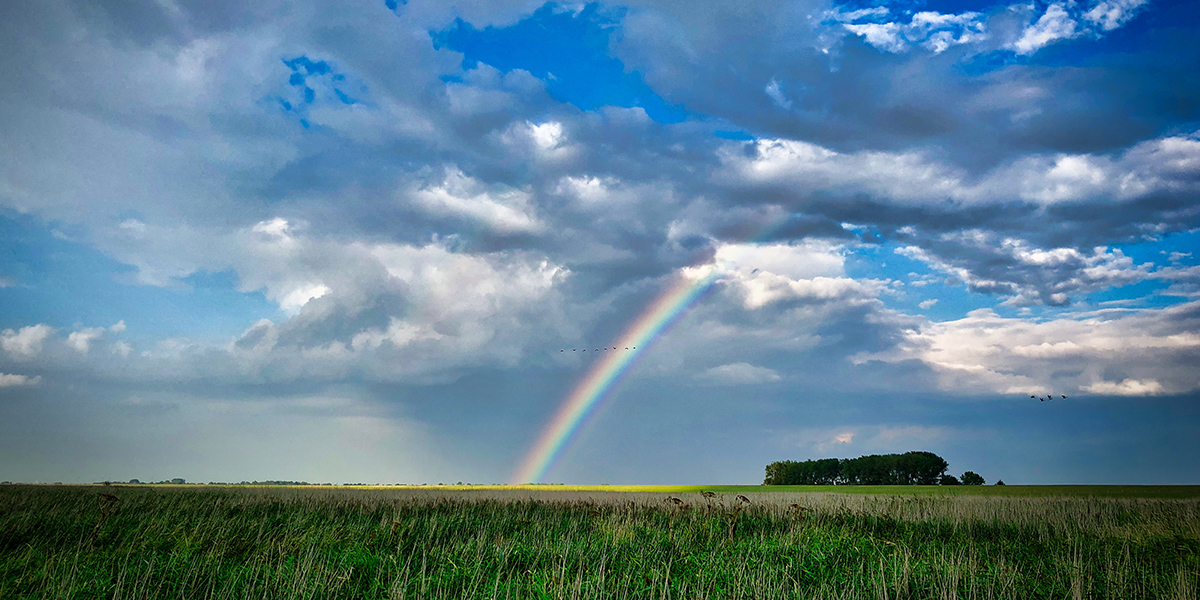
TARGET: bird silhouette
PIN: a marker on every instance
(1064, 397)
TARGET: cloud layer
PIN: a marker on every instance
(982, 203)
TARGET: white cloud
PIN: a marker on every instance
(1148, 351)
(82, 340)
(776, 94)
(931, 30)
(547, 135)
(797, 260)
(984, 261)
(1125, 387)
(118, 327)
(739, 373)
(294, 300)
(276, 228)
(905, 176)
(844, 441)
(885, 36)
(544, 142)
(1164, 164)
(7, 380)
(27, 342)
(502, 209)
(1111, 14)
(121, 349)
(763, 274)
(1055, 24)
(928, 304)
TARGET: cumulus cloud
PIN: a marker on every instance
(1116, 352)
(504, 210)
(1054, 24)
(1111, 14)
(776, 94)
(739, 374)
(988, 263)
(1125, 387)
(26, 342)
(8, 380)
(850, 440)
(930, 30)
(1164, 165)
(82, 339)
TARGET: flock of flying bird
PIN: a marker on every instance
(1048, 397)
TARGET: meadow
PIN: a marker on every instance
(601, 542)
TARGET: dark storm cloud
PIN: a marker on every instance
(977, 103)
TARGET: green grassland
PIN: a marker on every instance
(1077, 491)
(598, 542)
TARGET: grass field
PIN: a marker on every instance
(598, 542)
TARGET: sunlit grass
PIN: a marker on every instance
(589, 542)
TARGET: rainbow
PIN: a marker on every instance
(607, 371)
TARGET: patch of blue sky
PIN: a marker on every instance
(569, 50)
(1143, 294)
(955, 6)
(943, 301)
(733, 134)
(65, 284)
(315, 81)
(1160, 251)
(1179, 250)
(1143, 31)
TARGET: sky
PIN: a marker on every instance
(367, 241)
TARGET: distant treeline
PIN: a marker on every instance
(910, 468)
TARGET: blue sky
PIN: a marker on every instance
(296, 241)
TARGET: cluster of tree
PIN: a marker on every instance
(968, 478)
(910, 468)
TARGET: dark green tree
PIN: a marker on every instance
(948, 479)
(910, 468)
(972, 478)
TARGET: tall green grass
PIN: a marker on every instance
(68, 542)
